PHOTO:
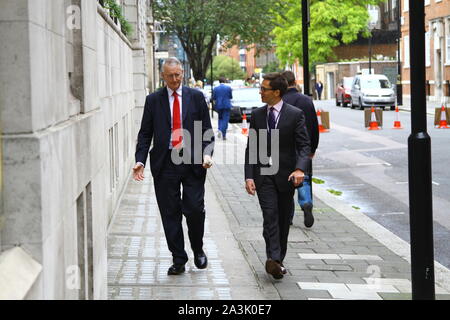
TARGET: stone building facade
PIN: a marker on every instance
(72, 90)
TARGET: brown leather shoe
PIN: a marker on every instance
(274, 268)
(283, 269)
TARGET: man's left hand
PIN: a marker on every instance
(207, 162)
(297, 177)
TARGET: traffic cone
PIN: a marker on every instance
(397, 124)
(443, 123)
(244, 125)
(319, 119)
(373, 125)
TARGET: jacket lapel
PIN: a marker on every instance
(165, 104)
(186, 102)
(262, 119)
(282, 115)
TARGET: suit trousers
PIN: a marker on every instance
(276, 208)
(173, 205)
(224, 118)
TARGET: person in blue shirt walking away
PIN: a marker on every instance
(222, 96)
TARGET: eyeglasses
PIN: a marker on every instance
(264, 89)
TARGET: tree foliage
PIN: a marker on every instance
(332, 22)
(227, 67)
(198, 22)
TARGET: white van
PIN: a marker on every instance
(372, 90)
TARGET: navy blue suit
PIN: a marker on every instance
(168, 176)
(222, 96)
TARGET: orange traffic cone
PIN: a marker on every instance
(373, 124)
(319, 119)
(244, 125)
(443, 123)
(397, 124)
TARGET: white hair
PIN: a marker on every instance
(172, 61)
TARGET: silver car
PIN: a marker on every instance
(372, 90)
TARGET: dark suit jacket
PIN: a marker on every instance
(156, 128)
(294, 146)
(305, 103)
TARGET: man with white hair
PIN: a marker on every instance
(176, 120)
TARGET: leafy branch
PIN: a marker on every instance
(116, 12)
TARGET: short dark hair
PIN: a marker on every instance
(290, 77)
(277, 82)
(222, 80)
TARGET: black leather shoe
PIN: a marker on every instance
(307, 211)
(200, 260)
(176, 269)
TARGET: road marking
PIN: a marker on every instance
(392, 213)
(319, 256)
(406, 182)
(374, 164)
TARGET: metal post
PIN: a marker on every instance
(399, 65)
(419, 159)
(305, 25)
(370, 53)
(212, 82)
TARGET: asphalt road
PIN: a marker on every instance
(370, 168)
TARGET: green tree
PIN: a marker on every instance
(333, 22)
(198, 22)
(227, 67)
(273, 66)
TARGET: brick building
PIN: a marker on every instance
(437, 49)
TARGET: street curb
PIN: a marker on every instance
(378, 232)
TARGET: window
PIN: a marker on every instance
(427, 49)
(447, 42)
(405, 5)
(406, 51)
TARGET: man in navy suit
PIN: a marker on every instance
(303, 102)
(222, 96)
(177, 121)
(274, 177)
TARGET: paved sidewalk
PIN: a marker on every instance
(345, 255)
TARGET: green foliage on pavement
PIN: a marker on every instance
(335, 192)
(224, 66)
(332, 22)
(198, 22)
(318, 181)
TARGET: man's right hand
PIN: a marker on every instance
(250, 186)
(138, 172)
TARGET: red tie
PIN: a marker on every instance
(177, 135)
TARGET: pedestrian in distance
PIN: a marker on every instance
(304, 103)
(222, 96)
(319, 89)
(176, 159)
(274, 180)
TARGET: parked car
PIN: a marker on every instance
(372, 90)
(343, 92)
(244, 101)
